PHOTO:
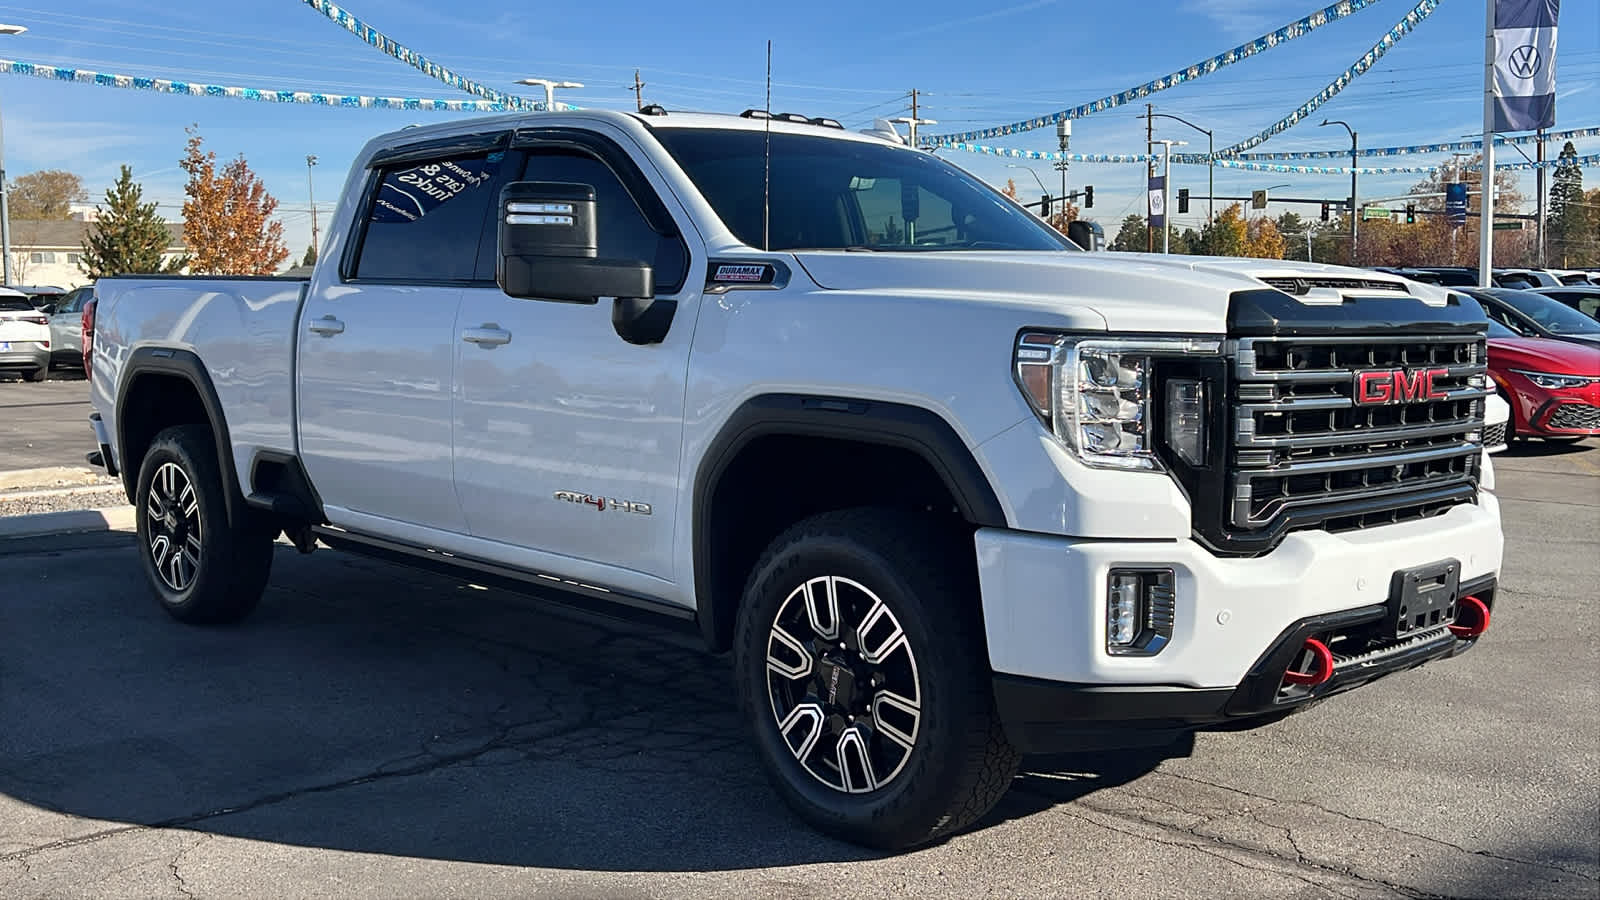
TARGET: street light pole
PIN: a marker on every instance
(1354, 212)
(5, 211)
(1166, 192)
(549, 89)
(1030, 171)
(311, 195)
(1211, 160)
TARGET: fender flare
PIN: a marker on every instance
(184, 364)
(899, 425)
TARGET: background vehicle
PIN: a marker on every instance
(1496, 423)
(24, 337)
(41, 295)
(1553, 386)
(1525, 279)
(950, 490)
(66, 327)
(1531, 314)
(1585, 300)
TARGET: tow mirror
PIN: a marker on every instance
(549, 251)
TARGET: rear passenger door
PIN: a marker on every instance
(378, 339)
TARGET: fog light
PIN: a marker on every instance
(1140, 610)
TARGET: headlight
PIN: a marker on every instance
(1552, 380)
(1095, 394)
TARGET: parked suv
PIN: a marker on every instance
(24, 337)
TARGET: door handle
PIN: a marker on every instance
(489, 335)
(327, 326)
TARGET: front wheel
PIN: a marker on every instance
(201, 570)
(862, 669)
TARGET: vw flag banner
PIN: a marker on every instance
(1525, 64)
(1158, 201)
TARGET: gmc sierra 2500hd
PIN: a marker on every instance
(950, 489)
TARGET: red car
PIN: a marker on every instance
(1553, 386)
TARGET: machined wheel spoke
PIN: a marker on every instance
(784, 644)
(822, 606)
(177, 569)
(169, 481)
(899, 708)
(189, 501)
(806, 720)
(879, 634)
(154, 507)
(191, 549)
(855, 762)
(160, 549)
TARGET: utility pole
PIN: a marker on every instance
(1486, 198)
(5, 211)
(1539, 181)
(915, 120)
(1149, 173)
(311, 194)
(638, 90)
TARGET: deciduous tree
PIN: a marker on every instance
(227, 218)
(127, 237)
(45, 195)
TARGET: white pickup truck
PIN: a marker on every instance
(949, 489)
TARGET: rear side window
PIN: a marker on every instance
(15, 304)
(426, 219)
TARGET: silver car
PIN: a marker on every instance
(66, 327)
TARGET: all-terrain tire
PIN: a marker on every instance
(959, 763)
(201, 569)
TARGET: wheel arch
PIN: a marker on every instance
(148, 369)
(887, 431)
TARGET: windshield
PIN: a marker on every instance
(1554, 317)
(831, 194)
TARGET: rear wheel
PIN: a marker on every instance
(861, 667)
(39, 374)
(201, 570)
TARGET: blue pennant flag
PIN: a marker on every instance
(1525, 64)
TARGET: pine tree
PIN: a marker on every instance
(310, 258)
(127, 237)
(1571, 228)
(1132, 235)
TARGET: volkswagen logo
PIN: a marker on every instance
(1524, 61)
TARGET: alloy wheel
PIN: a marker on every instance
(843, 684)
(172, 513)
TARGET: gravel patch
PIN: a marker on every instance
(58, 501)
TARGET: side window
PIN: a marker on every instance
(1500, 314)
(427, 218)
(623, 230)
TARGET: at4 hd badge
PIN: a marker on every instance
(604, 504)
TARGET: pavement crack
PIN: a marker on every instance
(1388, 827)
(172, 864)
(64, 843)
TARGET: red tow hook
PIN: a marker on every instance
(1472, 618)
(1321, 665)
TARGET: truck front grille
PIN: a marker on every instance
(1304, 449)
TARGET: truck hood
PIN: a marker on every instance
(1130, 291)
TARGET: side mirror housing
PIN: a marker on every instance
(549, 250)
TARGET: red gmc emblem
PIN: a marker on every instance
(1381, 387)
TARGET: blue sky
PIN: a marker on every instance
(974, 66)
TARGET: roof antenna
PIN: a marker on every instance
(766, 190)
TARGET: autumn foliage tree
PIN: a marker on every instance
(45, 195)
(227, 218)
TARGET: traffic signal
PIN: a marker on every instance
(1324, 210)
(1411, 214)
(1183, 200)
(1088, 196)
(1044, 206)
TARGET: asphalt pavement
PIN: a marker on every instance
(45, 424)
(378, 731)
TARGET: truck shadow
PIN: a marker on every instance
(374, 709)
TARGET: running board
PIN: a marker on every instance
(536, 585)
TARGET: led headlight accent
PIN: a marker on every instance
(1186, 419)
(1554, 380)
(1095, 393)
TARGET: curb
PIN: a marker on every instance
(72, 521)
(49, 477)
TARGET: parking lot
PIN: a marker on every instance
(380, 731)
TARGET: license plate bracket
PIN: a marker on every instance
(1424, 598)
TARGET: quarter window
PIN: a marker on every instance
(427, 219)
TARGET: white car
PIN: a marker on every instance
(950, 488)
(24, 337)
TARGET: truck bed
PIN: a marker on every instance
(242, 327)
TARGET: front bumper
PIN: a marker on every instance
(1044, 616)
(1050, 716)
